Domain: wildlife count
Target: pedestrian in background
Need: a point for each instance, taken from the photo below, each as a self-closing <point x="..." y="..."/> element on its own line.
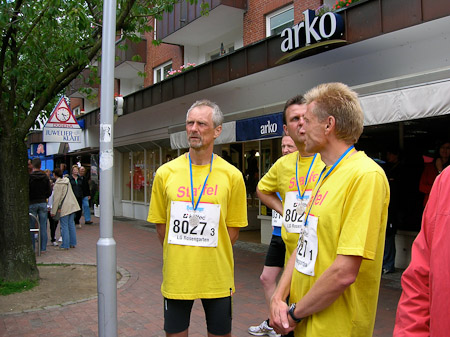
<point x="86" y="196"/>
<point x="77" y="187"/>
<point x="64" y="198"/>
<point x="39" y="189"/>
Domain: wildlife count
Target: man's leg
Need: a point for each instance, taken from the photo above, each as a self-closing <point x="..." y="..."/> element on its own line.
<point x="86" y="211"/>
<point x="218" y="312"/>
<point x="272" y="267"/>
<point x="177" y="315"/>
<point x="42" y="212"/>
<point x="268" y="279"/>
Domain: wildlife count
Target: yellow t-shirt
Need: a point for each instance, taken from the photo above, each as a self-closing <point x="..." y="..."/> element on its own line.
<point x="281" y="178"/>
<point x="351" y="206"/>
<point x="191" y="272"/>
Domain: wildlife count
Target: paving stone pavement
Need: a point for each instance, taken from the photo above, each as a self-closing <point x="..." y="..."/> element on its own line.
<point x="139" y="300"/>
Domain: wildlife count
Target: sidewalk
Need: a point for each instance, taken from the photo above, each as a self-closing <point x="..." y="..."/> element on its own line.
<point x="139" y="300"/>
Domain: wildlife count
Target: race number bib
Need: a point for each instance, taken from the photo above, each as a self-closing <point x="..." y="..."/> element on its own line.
<point x="201" y="233"/>
<point x="277" y="220"/>
<point x="307" y="247"/>
<point x="293" y="221"/>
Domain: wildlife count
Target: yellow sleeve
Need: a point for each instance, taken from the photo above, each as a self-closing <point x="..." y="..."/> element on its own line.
<point x="157" y="212"/>
<point x="237" y="206"/>
<point x="269" y="182"/>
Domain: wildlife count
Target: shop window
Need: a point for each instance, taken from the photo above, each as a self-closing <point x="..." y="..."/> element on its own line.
<point x="139" y="181"/>
<point x="126" y="176"/>
<point x="152" y="165"/>
<point x="160" y="73"/>
<point x="277" y="21"/>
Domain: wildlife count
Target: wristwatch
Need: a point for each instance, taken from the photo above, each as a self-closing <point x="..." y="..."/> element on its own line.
<point x="291" y="313"/>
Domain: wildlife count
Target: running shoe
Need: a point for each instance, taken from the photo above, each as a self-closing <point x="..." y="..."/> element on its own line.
<point x="262" y="330"/>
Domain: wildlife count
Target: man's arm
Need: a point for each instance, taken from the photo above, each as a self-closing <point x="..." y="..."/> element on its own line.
<point x="233" y="232"/>
<point x="161" y="230"/>
<point x="330" y="285"/>
<point x="278" y="306"/>
<point x="270" y="200"/>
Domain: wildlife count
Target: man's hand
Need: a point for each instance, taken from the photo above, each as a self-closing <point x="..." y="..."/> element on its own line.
<point x="280" y="320"/>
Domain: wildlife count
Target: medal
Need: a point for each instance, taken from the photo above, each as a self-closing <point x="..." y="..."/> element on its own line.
<point x="300" y="209"/>
<point x="301" y="240"/>
<point x="193" y="220"/>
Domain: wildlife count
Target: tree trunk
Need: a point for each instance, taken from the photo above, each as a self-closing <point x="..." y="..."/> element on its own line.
<point x="17" y="259"/>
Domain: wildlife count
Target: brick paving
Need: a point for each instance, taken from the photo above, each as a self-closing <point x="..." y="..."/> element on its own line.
<point x="139" y="301"/>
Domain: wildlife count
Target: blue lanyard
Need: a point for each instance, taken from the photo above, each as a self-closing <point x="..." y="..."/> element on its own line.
<point x="204" y="184"/>
<point x="326" y="175"/>
<point x="300" y="195"/>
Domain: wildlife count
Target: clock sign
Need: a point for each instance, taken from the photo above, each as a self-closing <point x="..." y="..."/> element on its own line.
<point x="63" y="114"/>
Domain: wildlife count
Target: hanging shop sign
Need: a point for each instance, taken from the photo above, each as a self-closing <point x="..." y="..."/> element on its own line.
<point x="267" y="126"/>
<point x="313" y="30"/>
<point x="62" y="126"/>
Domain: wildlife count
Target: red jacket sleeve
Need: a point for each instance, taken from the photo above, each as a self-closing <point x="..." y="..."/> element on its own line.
<point x="424" y="304"/>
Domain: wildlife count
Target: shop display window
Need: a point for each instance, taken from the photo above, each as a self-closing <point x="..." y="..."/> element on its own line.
<point x="126" y="176"/>
<point x="139" y="181"/>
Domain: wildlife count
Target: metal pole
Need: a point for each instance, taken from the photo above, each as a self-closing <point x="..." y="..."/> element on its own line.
<point x="106" y="245"/>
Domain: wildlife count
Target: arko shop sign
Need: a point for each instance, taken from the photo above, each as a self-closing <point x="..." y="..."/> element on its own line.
<point x="314" y="29"/>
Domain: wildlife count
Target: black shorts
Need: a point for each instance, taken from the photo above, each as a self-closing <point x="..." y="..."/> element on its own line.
<point x="276" y="254"/>
<point x="218" y="312"/>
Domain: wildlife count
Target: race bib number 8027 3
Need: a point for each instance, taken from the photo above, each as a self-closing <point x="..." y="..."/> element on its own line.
<point x="203" y="232"/>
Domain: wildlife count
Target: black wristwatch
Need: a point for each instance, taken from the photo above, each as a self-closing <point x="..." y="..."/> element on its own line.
<point x="291" y="313"/>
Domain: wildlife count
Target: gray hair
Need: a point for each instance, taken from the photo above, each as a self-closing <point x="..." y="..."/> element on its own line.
<point x="217" y="115"/>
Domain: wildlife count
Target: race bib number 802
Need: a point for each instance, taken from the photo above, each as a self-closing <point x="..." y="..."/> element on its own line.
<point x="203" y="232"/>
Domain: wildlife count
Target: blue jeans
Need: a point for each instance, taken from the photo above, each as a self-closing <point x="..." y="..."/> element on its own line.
<point x="68" y="232"/>
<point x="86" y="209"/>
<point x="40" y="210"/>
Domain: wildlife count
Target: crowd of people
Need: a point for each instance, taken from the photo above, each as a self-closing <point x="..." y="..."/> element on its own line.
<point x="60" y="198"/>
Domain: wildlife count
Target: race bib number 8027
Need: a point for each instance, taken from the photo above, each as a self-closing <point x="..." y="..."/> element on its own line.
<point x="203" y="232"/>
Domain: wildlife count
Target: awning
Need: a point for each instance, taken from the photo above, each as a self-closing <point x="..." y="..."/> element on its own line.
<point x="422" y="101"/>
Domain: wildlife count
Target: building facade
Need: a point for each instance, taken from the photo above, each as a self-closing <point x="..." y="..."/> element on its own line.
<point x="250" y="57"/>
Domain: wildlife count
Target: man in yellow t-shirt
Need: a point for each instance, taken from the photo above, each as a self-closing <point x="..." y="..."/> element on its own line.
<point x="333" y="276"/>
<point x="198" y="204"/>
<point x="293" y="176"/>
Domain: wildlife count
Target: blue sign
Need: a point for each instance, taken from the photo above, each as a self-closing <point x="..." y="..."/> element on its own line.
<point x="38" y="150"/>
<point x="268" y="126"/>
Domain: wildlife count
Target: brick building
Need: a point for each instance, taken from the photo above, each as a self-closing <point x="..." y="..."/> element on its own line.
<point x="249" y="60"/>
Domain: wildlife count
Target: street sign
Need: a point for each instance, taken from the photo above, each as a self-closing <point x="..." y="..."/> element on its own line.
<point x="62" y="126"/>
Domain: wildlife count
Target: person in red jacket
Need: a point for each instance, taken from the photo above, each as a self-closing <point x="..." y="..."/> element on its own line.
<point x="423" y="306"/>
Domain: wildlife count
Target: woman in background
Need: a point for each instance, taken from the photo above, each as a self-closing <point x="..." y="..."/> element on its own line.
<point x="63" y="194"/>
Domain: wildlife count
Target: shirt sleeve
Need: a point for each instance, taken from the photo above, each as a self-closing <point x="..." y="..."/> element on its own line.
<point x="268" y="183"/>
<point x="157" y="212"/>
<point x="237" y="205"/>
<point x="413" y="310"/>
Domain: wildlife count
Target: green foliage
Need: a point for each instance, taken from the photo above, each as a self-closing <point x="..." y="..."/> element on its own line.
<point x="7" y="288"/>
<point x="45" y="44"/>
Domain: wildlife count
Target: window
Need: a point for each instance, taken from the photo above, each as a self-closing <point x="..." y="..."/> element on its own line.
<point x="221" y="51"/>
<point x="160" y="73"/>
<point x="279" y="20"/>
<point x="139" y="178"/>
<point x="126" y="176"/>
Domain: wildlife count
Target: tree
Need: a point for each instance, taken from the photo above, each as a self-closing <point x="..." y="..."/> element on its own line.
<point x="44" y="45"/>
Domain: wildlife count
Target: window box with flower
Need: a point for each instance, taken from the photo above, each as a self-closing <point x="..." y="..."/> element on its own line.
<point x="182" y="69"/>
